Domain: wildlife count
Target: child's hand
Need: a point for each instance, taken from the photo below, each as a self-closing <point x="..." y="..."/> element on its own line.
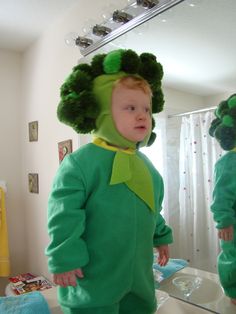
<point x="226" y="234"/>
<point x="163" y="257"/>
<point x="68" y="278"/>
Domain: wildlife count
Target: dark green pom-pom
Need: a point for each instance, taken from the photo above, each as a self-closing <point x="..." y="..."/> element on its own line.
<point x="79" y="81"/>
<point x="65" y="90"/>
<point x="130" y="62"/>
<point x="151" y="139"/>
<point x="222" y="109"/>
<point x="158" y="101"/>
<point x="226" y="137"/>
<point x="85" y="126"/>
<point x="75" y="109"/>
<point x="97" y="65"/>
<point x="214" y="124"/>
<point x="232" y="113"/>
<point x="153" y="123"/>
<point x="151" y="70"/>
<point x="68" y="108"/>
<point x="84" y="67"/>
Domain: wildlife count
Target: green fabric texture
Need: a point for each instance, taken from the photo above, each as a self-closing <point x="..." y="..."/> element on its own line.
<point x="140" y="179"/>
<point x="135" y="174"/>
<point x="224" y="194"/>
<point x="116" y="221"/>
<point x="224" y="214"/>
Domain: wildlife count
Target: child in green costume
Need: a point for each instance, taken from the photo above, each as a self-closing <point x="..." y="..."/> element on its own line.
<point x="104" y="208"/>
<point x="223" y="128"/>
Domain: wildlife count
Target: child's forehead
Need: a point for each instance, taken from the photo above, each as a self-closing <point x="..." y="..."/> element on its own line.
<point x="132" y="90"/>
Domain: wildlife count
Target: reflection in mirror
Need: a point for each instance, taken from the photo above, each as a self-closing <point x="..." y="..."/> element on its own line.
<point x="195" y="43"/>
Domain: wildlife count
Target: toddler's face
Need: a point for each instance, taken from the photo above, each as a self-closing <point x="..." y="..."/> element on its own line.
<point x="131" y="112"/>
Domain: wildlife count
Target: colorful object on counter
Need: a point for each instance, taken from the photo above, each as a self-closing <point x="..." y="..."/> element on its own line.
<point x="172" y="267"/>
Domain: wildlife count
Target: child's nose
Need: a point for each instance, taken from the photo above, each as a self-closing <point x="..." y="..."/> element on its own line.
<point x="141" y="115"/>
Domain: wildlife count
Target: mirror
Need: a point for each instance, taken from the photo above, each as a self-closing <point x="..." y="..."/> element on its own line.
<point x="195" y="43"/>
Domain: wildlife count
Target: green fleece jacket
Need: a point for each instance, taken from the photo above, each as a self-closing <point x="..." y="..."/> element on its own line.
<point x="106" y="230"/>
<point x="224" y="194"/>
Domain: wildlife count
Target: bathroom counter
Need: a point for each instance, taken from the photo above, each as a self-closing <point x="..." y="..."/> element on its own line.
<point x="173" y="305"/>
<point x="51" y="297"/>
<point x="209" y="295"/>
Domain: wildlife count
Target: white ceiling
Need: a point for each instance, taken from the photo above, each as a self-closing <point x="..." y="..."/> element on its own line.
<point x="196" y="45"/>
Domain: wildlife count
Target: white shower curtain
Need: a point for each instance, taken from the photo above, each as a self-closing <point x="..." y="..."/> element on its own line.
<point x="198" y="153"/>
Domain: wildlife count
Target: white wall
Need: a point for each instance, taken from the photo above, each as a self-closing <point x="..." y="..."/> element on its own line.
<point x="10" y="154"/>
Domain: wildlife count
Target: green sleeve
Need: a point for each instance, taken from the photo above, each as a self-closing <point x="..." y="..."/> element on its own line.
<point x="66" y="219"/>
<point x="163" y="233"/>
<point x="224" y="193"/>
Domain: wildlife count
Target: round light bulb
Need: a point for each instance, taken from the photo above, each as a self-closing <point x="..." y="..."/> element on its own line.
<point x="70" y="38"/>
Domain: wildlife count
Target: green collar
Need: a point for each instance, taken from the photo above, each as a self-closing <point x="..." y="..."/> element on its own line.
<point x="130" y="169"/>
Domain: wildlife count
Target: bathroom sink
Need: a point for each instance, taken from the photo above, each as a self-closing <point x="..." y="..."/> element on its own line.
<point x="207" y="291"/>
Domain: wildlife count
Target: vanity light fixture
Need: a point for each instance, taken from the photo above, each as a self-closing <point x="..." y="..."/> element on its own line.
<point x="120" y="22"/>
<point x="147" y="3"/>
<point x="121" y="17"/>
<point x="100" y="30"/>
<point x="83" y="42"/>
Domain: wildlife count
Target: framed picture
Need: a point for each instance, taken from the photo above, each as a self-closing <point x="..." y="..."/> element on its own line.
<point x="33" y="181"/>
<point x="33" y="131"/>
<point x="64" y="148"/>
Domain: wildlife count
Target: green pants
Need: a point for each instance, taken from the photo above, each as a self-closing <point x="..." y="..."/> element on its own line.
<point x="130" y="304"/>
<point x="227" y="266"/>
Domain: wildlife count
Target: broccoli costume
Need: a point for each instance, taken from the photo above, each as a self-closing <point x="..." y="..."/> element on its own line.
<point x="224" y="194"/>
<point x="104" y="207"/>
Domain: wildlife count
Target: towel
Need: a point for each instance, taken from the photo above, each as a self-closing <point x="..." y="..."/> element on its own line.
<point x="171" y="267"/>
<point x="4" y="250"/>
<point x="28" y="303"/>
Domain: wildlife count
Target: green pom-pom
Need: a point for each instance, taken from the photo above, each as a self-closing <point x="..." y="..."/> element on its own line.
<point x="112" y="62"/>
<point x="84" y="67"/>
<point x="97" y="65"/>
<point x="76" y="109"/>
<point x="232" y="102"/>
<point x="150" y="69"/>
<point x="228" y="121"/>
<point x="79" y="81"/>
<point x="130" y="62"/>
<point x="151" y="139"/>
<point x="65" y="90"/>
<point x="222" y="109"/>
<point x="214" y="124"/>
<point x="157" y="101"/>
<point x="226" y="137"/>
<point x="232" y="113"/>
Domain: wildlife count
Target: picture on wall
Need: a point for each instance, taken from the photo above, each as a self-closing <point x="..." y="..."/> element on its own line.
<point x="33" y="181"/>
<point x="33" y="131"/>
<point x="64" y="148"/>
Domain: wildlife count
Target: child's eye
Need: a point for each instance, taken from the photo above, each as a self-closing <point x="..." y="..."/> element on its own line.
<point x="130" y="108"/>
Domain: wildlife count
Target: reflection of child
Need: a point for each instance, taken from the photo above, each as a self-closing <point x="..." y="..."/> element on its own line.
<point x="104" y="209"/>
<point x="223" y="128"/>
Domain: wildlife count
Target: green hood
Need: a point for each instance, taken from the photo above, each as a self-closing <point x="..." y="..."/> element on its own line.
<point x="105" y="126"/>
